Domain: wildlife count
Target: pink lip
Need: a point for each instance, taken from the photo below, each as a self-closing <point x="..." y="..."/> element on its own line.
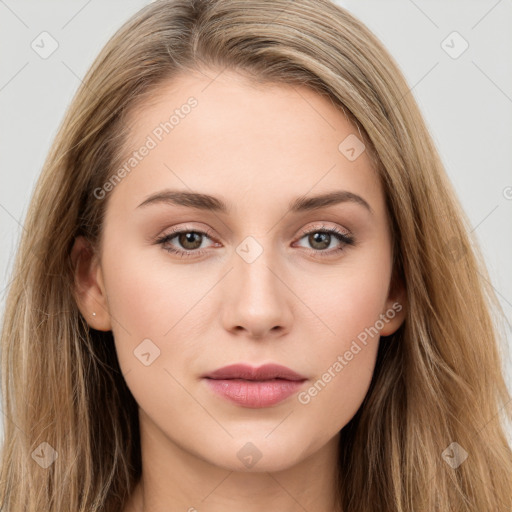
<point x="255" y="387"/>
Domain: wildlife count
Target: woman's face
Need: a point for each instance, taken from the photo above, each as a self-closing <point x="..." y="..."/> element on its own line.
<point x="269" y="283"/>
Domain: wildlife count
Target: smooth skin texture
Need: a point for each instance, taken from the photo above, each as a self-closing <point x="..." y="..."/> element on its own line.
<point x="257" y="148"/>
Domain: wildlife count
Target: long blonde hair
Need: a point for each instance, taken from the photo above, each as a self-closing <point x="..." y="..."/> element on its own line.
<point x="438" y="379"/>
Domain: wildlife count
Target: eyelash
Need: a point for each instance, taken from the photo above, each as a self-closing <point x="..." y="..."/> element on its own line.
<point x="342" y="237"/>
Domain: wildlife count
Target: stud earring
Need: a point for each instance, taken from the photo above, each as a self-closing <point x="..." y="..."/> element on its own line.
<point x="93" y="314"/>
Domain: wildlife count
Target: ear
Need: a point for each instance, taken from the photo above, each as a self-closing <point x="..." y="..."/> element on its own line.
<point x="396" y="306"/>
<point x="89" y="291"/>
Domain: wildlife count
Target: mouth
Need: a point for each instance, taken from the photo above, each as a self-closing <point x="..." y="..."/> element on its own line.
<point x="252" y="387"/>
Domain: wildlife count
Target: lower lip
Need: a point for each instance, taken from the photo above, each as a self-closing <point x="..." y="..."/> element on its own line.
<point x="255" y="393"/>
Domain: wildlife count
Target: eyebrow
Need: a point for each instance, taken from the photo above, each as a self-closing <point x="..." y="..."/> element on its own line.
<point x="207" y="202"/>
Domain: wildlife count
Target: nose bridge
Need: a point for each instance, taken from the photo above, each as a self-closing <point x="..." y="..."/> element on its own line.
<point x="255" y="295"/>
<point x="254" y="259"/>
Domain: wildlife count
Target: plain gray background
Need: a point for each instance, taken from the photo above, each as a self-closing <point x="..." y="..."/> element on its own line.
<point x="465" y="96"/>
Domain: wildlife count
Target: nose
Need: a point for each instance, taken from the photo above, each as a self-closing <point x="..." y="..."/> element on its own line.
<point x="256" y="298"/>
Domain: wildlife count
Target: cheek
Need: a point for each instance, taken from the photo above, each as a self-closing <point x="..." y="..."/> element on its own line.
<point x="345" y="360"/>
<point x="145" y="295"/>
<point x="152" y="335"/>
<point x="349" y="298"/>
<point x="337" y="393"/>
<point x="350" y="303"/>
<point x="160" y="313"/>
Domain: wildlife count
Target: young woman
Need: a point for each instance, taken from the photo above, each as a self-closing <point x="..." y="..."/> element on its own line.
<point x="246" y="283"/>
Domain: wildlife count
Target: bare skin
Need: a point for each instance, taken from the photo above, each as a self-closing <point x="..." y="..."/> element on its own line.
<point x="257" y="149"/>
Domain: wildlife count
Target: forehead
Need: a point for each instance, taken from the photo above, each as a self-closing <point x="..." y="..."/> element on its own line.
<point x="222" y="134"/>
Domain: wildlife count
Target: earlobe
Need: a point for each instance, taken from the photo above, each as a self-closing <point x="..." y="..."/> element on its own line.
<point x="89" y="291"/>
<point x="396" y="308"/>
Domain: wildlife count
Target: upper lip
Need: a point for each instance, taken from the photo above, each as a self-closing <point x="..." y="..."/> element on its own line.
<point x="247" y="372"/>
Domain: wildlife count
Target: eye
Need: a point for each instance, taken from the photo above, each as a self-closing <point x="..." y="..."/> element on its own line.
<point x="320" y="239"/>
<point x="189" y="239"/>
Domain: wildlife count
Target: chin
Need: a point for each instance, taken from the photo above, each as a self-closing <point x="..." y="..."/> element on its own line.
<point x="260" y="455"/>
